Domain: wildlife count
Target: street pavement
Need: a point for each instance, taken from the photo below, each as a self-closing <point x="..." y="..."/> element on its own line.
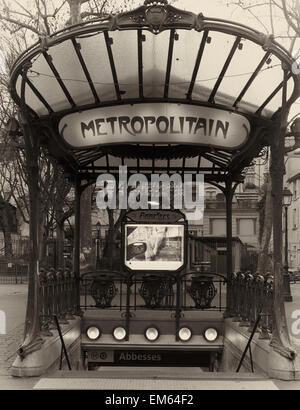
<point x="13" y="300"/>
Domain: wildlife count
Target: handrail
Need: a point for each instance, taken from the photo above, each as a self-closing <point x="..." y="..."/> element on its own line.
<point x="195" y="272"/>
<point x="63" y="350"/>
<point x="57" y="294"/>
<point x="252" y="294"/>
<point x="248" y="345"/>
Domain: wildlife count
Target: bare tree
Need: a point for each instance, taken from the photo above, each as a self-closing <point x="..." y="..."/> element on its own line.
<point x="40" y="194"/>
<point x="26" y="23"/>
<point x="288" y="11"/>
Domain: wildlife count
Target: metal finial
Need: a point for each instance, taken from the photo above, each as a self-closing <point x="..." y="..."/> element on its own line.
<point x="156" y="3"/>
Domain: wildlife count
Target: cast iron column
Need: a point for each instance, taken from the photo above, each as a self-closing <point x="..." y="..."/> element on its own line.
<point x="229" y="195"/>
<point x="98" y="265"/>
<point x="78" y="191"/>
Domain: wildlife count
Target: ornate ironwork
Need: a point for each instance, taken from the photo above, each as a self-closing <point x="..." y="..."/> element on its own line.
<point x="157" y="15"/>
<point x="142" y="152"/>
<point x="154" y="16"/>
<point x="252" y="295"/>
<point x="103" y="291"/>
<point x="154" y="3"/>
<point x="45" y="308"/>
<point x="203" y="291"/>
<point x="57" y="296"/>
<point x="155" y="289"/>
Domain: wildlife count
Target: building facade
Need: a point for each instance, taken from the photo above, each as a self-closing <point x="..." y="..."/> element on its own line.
<point x="292" y="180"/>
<point x="245" y="217"/>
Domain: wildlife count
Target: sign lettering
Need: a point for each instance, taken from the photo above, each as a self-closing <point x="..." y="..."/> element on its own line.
<point x="155" y="216"/>
<point x="137" y="356"/>
<point x="162" y="123"/>
<point x="150" y="357"/>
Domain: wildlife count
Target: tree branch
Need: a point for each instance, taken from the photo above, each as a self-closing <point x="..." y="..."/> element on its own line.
<point x="21" y="24"/>
<point x="288" y="17"/>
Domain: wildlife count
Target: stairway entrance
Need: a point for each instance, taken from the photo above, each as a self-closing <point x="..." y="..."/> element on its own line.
<point x="154" y="378"/>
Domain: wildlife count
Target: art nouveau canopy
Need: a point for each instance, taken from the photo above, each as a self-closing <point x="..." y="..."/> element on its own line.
<point x="158" y="89"/>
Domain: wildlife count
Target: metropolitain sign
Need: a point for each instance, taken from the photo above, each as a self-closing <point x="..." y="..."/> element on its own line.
<point x="155" y="123"/>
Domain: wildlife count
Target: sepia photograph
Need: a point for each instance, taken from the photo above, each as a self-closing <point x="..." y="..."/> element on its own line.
<point x="150" y="198"/>
<point x="154" y="247"/>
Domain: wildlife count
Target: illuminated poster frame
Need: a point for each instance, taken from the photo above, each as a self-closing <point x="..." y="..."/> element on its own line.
<point x="157" y="221"/>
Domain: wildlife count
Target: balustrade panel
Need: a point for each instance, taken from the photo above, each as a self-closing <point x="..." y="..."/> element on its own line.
<point x="252" y="296"/>
<point x="57" y="296"/>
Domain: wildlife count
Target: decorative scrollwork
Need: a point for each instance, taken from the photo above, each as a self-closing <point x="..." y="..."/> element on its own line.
<point x="157" y="15"/>
<point x="202" y="291"/>
<point x="126" y="314"/>
<point x="156" y="3"/>
<point x="103" y="291"/>
<point x="138" y="18"/>
<point x="154" y="289"/>
<point x="173" y="17"/>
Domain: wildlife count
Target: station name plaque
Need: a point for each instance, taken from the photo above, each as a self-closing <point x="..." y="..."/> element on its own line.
<point x="150" y="123"/>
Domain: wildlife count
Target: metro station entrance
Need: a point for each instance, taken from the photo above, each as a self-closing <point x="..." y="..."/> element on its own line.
<point x="130" y="93"/>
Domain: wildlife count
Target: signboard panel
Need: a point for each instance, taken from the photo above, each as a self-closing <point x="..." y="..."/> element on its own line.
<point x="155" y="216"/>
<point x="150" y="123"/>
<point x="151" y="357"/>
<point x="156" y="358"/>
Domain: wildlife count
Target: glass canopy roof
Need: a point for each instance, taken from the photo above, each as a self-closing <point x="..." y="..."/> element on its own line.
<point x="156" y="53"/>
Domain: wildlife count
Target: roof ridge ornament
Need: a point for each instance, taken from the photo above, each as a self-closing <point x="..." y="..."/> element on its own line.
<point x="156" y="3"/>
<point x="157" y="16"/>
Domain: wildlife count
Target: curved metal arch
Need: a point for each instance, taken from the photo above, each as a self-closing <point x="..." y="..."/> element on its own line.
<point x="165" y="18"/>
<point x="139" y="19"/>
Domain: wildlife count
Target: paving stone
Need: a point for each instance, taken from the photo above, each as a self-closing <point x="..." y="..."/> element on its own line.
<point x="9" y="344"/>
<point x="149" y="384"/>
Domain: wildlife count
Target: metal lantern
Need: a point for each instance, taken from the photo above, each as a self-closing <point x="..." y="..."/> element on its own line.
<point x="287" y="197"/>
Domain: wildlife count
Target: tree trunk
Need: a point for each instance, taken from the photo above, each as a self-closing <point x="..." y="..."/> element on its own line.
<point x="113" y="253"/>
<point x="32" y="340"/>
<point x="280" y="337"/>
<point x="8" y="250"/>
<point x="42" y="239"/>
<point x="110" y="238"/>
<point x="86" y="230"/>
<point x="60" y="238"/>
<point x="4" y="226"/>
<point x="75" y="10"/>
<point x="263" y="257"/>
<point x="61" y="217"/>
